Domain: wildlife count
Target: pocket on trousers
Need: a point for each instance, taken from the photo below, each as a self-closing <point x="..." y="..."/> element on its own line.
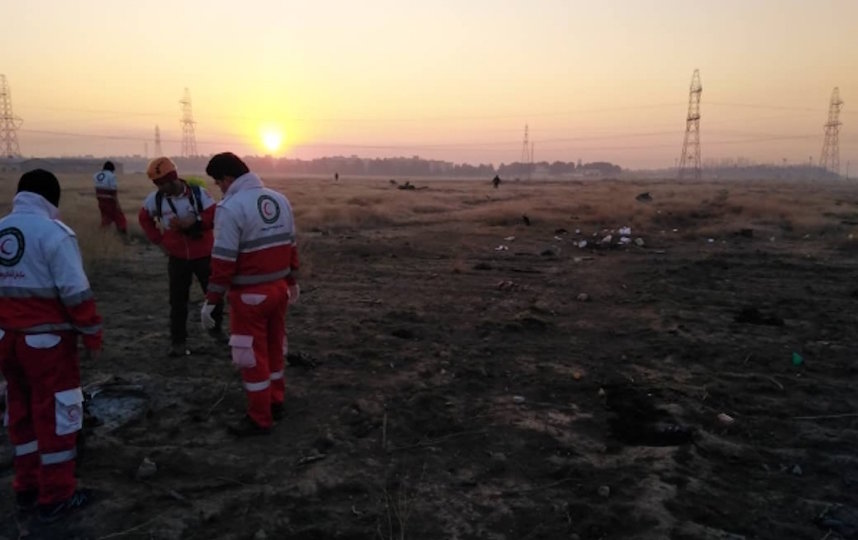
<point x="42" y="341"/>
<point x="253" y="299"/>
<point x="69" y="411"/>
<point x="242" y="351"/>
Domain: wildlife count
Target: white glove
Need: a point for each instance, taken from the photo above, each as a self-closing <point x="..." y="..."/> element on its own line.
<point x="206" y="318"/>
<point x="294" y="293"/>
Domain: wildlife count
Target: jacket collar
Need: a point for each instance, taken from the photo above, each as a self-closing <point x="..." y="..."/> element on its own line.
<point x="27" y="202"/>
<point x="245" y="181"/>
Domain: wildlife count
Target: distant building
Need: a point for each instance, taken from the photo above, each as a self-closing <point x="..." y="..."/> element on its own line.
<point x="56" y="165"/>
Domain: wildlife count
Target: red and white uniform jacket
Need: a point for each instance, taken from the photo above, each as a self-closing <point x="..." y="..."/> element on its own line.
<point x="105" y="185"/>
<point x="178" y="243"/>
<point x="254" y="238"/>
<point x="43" y="287"/>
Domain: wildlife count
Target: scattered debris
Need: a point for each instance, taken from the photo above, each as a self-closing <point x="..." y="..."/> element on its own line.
<point x="582" y="244"/>
<point x="725" y="419"/>
<point x="644" y="197"/>
<point x="583" y="297"/>
<point x="639" y="242"/>
<point x="604" y="491"/>
<point x="797" y="360"/>
<point x="796" y="470"/>
<point x="752" y="315"/>
<point x="607" y="239"/>
<point x="625" y="231"/>
<point x="518" y="399"/>
<point x="407" y="186"/>
<point x="505" y="285"/>
<point x="625" y="240"/>
<point x="502" y="247"/>
<point x="509" y="238"/>
<point x="147" y="469"/>
<point x="301" y="359"/>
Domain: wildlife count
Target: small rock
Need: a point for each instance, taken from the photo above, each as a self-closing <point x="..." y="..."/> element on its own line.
<point x="796" y="470"/>
<point x="260" y="535"/>
<point x="607" y="239"/>
<point x="582" y="244"/>
<point x="583" y="297"/>
<point x="601" y="392"/>
<point x="604" y="491"/>
<point x="725" y="419"/>
<point x="518" y="399"/>
<point x="146" y="469"/>
<point x="639" y="242"/>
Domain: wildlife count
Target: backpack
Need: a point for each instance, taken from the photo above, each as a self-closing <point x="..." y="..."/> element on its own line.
<point x="196" y="200"/>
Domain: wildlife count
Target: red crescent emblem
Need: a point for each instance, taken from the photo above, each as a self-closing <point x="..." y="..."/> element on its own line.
<point x="266" y="207"/>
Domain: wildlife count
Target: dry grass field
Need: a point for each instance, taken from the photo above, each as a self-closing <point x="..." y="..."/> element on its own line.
<point x="457" y="373"/>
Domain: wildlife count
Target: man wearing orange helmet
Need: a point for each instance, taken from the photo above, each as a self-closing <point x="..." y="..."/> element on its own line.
<point x="179" y="218"/>
<point x="255" y="259"/>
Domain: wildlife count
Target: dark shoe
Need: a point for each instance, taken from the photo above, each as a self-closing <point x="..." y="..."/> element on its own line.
<point x="277" y="411"/>
<point x="177" y="350"/>
<point x="26" y="500"/>
<point x="49" y="513"/>
<point x="219" y="336"/>
<point x="247" y="428"/>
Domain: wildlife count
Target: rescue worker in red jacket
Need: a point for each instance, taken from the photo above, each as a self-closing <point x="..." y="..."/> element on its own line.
<point x="45" y="303"/>
<point x="179" y="218"/>
<point x="106" y="191"/>
<point x="255" y="259"/>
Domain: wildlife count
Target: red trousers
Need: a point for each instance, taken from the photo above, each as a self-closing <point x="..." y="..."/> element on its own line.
<point x="258" y="328"/>
<point x="112" y="213"/>
<point x="44" y="410"/>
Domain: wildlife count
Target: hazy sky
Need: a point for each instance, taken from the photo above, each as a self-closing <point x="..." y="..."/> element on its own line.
<point x="448" y="79"/>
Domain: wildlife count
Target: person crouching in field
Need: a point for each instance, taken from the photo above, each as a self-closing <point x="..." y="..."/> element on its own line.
<point x="45" y="303"/>
<point x="106" y="190"/>
<point x="255" y="259"/>
<point x="179" y="218"/>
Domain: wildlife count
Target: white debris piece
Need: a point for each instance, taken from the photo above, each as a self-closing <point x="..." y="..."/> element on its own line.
<point x="502" y="247"/>
<point x="625" y="231"/>
<point x="639" y="242"/>
<point x="582" y="244"/>
<point x="509" y="238"/>
<point x="625" y="240"/>
<point x="558" y="238"/>
<point x="607" y="239"/>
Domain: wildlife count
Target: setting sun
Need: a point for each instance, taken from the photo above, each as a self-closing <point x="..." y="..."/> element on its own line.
<point x="272" y="139"/>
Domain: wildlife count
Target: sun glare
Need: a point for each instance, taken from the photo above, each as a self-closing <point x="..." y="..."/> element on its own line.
<point x="272" y="139"/>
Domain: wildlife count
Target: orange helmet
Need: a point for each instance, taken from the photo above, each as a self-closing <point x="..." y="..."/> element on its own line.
<point x="161" y="169"/>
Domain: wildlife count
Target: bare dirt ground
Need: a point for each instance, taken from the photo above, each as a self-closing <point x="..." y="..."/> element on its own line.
<point x="444" y="387"/>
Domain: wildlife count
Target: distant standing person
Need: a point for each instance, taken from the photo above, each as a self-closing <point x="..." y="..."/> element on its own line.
<point x="254" y="259"/>
<point x="179" y="218"/>
<point x="496" y="181"/>
<point x="107" y="192"/>
<point x="336" y="177"/>
<point x="45" y="304"/>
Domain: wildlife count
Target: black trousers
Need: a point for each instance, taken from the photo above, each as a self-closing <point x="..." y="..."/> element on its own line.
<point x="182" y="272"/>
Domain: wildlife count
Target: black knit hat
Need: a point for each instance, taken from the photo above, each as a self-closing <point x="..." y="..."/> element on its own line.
<point x="43" y="183"/>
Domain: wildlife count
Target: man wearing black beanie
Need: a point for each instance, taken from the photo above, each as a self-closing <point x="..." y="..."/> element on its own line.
<point x="45" y="304"/>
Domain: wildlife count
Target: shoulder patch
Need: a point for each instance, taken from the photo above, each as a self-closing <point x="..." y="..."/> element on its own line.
<point x="12" y="246"/>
